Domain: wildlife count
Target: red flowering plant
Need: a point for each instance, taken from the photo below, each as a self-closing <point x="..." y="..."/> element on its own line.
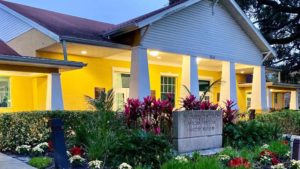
<point x="229" y="113"/>
<point x="266" y="157"/>
<point x="149" y="113"/>
<point x="239" y="162"/>
<point x="192" y="103"/>
<point x="50" y="145"/>
<point x="132" y="112"/>
<point x="76" y="151"/>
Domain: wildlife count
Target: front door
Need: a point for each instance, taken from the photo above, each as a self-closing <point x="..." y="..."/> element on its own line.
<point x="121" y="89"/>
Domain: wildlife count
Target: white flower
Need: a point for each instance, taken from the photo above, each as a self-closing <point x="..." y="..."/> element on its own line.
<point x="125" y="166"/>
<point x="76" y="159"/>
<point x="265" y="146"/>
<point x="43" y="145"/>
<point x="295" y="164"/>
<point x="69" y="154"/>
<point x="288" y="154"/>
<point x="23" y="149"/>
<point x="278" y="166"/>
<point x="224" y="157"/>
<point x="181" y="159"/>
<point x="37" y="149"/>
<point x="96" y="164"/>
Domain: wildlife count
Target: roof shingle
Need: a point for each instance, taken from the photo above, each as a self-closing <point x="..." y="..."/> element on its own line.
<point x="6" y="50"/>
<point x="62" y="24"/>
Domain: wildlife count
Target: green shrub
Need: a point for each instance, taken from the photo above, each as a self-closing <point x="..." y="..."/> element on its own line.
<point x="98" y="134"/>
<point x="250" y="133"/>
<point x="287" y="119"/>
<point x="40" y="162"/>
<point x="279" y="147"/>
<point x="31" y="128"/>
<point x="141" y="148"/>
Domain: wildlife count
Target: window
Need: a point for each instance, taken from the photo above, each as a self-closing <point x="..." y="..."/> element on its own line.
<point x="203" y="85"/>
<point x="168" y="86"/>
<point x="125" y="80"/>
<point x="276" y="98"/>
<point x="248" y="100"/>
<point x="4" y="92"/>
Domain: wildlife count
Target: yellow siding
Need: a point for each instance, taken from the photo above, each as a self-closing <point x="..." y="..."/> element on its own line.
<point x="21" y="94"/>
<point x="242" y="93"/>
<point x="280" y="101"/>
<point x="29" y="93"/>
<point x="98" y="73"/>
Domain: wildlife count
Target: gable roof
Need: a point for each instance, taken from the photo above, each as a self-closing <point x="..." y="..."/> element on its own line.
<point x="6" y="50"/>
<point x="231" y="5"/>
<point x="61" y="24"/>
<point x="87" y="31"/>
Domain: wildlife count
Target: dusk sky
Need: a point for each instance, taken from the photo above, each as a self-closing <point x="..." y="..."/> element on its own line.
<point x="111" y="11"/>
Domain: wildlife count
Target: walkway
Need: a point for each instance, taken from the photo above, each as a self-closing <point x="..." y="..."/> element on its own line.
<point x="7" y="162"/>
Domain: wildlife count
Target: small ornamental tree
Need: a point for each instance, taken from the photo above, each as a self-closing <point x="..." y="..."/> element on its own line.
<point x="149" y="114"/>
<point x="192" y="103"/>
<point x="229" y="113"/>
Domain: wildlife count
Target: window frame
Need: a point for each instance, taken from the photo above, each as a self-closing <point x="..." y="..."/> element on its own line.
<point x="174" y="85"/>
<point x="9" y="92"/>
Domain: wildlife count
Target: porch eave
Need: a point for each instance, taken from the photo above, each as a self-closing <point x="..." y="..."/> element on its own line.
<point x="273" y="84"/>
<point x="40" y="62"/>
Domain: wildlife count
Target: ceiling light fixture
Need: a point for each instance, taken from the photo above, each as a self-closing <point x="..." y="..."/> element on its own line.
<point x="198" y="60"/>
<point x="154" y="53"/>
<point x="242" y="72"/>
<point x="83" y="52"/>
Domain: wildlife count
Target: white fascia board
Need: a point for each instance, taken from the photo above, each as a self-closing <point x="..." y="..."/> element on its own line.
<point x="35" y="25"/>
<point x="165" y="13"/>
<point x="259" y="35"/>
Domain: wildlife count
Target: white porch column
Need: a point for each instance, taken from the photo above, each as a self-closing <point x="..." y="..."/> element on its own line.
<point x="228" y="84"/>
<point x="294" y="103"/>
<point x="269" y="99"/>
<point x="139" y="74"/>
<point x="259" y="94"/>
<point x="189" y="76"/>
<point x="54" y="92"/>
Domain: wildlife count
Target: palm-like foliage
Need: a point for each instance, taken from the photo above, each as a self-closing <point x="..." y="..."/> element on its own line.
<point x="104" y="102"/>
<point x="208" y="89"/>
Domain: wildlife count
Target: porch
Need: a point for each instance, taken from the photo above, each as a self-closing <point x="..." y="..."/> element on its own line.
<point x="31" y="83"/>
<point x="140" y="72"/>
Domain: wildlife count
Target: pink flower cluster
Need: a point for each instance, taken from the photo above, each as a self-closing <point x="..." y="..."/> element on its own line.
<point x="230" y="114"/>
<point x="192" y="103"/>
<point x="149" y="113"/>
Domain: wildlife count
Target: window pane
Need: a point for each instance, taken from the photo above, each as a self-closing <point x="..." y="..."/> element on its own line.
<point x="125" y="80"/>
<point x="203" y="85"/>
<point x="4" y="92"/>
<point x="167" y="86"/>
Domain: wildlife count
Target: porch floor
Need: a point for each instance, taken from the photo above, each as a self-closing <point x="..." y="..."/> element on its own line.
<point x="7" y="162"/>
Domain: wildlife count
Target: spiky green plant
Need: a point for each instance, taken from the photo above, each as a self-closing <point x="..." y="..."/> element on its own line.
<point x="104" y="103"/>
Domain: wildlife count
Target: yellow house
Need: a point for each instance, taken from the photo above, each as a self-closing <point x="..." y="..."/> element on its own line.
<point x="50" y="61"/>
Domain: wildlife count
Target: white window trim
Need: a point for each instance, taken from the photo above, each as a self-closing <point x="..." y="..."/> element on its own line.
<point x="176" y="82"/>
<point x="169" y="74"/>
<point x="9" y="83"/>
<point x="118" y="70"/>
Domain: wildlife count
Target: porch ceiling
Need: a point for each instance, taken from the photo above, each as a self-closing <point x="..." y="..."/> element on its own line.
<point x="162" y="58"/>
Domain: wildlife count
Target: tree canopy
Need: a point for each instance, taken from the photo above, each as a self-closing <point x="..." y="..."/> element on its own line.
<point x="279" y="22"/>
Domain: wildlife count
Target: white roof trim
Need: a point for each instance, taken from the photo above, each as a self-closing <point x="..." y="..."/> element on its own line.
<point x="166" y="13"/>
<point x="258" y="33"/>
<point x="35" y="25"/>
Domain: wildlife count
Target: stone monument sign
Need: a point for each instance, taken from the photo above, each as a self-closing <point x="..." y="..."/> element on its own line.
<point x="197" y="130"/>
